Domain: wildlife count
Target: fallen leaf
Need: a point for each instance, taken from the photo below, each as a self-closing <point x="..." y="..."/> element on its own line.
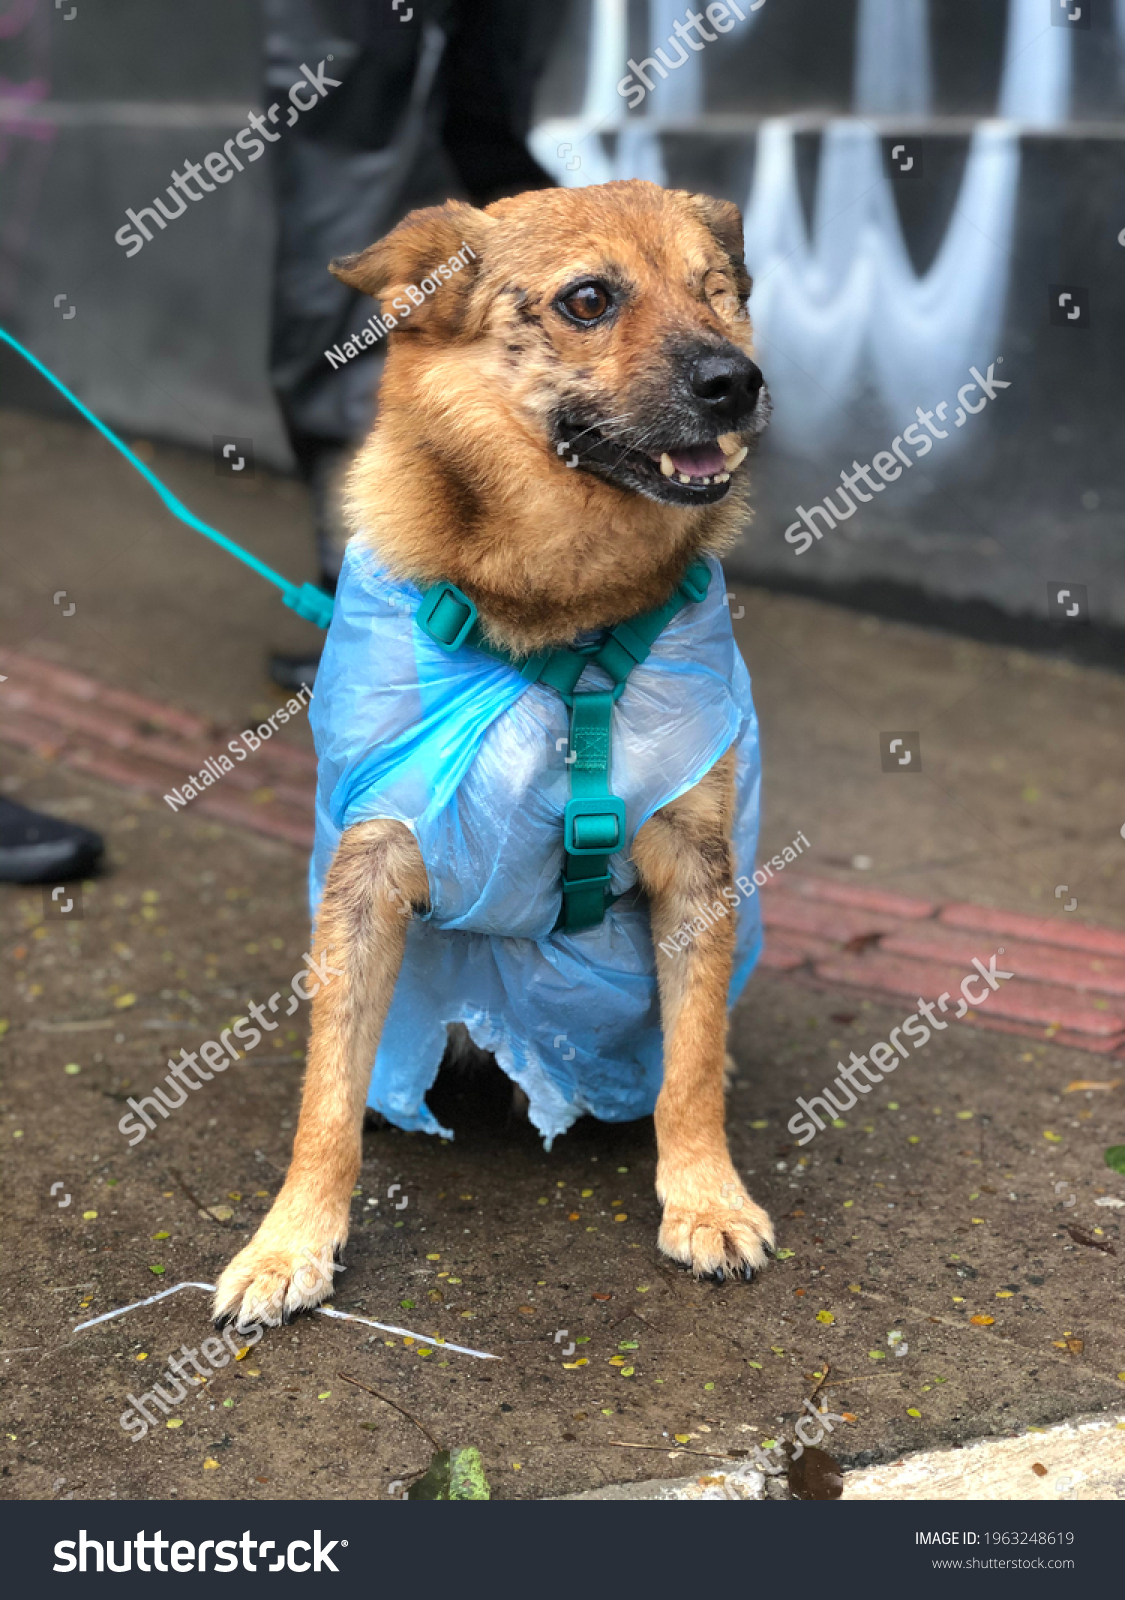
<point x="1090" y="1084"/>
<point x="452" y="1475"/>
<point x="982" y="1322"/>
<point x="1080" y="1236"/>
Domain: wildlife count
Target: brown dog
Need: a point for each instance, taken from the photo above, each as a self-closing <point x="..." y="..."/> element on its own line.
<point x="609" y="321"/>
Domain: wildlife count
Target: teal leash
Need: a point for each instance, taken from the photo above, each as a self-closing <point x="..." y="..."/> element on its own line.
<point x="305" y="599"/>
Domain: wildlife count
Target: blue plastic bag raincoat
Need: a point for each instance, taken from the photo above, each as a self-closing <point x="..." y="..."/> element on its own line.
<point x="472" y="759"/>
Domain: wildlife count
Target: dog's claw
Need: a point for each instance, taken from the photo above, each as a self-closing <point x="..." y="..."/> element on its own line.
<point x="748" y="1274"/>
<point x="718" y="1243"/>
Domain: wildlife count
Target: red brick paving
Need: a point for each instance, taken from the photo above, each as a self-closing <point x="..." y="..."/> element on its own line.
<point x="1068" y="979"/>
<point x="1068" y="982"/>
<point x="140" y="744"/>
<point x="1069" y="934"/>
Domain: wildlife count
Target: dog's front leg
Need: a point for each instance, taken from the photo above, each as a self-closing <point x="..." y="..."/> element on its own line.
<point x="683" y="856"/>
<point x="376" y="879"/>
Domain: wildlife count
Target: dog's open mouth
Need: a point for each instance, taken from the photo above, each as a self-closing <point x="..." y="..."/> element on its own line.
<point x="686" y="474"/>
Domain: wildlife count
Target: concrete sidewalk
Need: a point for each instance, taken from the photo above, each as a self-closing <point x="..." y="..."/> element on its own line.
<point x="927" y="1280"/>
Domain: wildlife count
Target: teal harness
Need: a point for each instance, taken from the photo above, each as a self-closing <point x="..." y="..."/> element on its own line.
<point x="594" y="820"/>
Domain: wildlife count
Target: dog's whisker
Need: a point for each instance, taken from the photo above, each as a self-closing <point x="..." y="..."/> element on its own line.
<point x="602" y="426"/>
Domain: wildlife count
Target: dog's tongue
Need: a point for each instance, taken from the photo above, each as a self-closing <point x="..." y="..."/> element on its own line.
<point x="702" y="462"/>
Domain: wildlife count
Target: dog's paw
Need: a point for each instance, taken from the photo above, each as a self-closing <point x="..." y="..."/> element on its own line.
<point x="715" y="1232"/>
<point x="277" y="1274"/>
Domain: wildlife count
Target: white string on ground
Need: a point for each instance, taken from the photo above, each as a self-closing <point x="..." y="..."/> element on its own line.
<point x="438" y="1344"/>
<point x="108" y="1316"/>
<point x="324" y="1311"/>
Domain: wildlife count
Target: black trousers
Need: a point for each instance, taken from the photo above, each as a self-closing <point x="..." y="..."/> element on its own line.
<point x="431" y="105"/>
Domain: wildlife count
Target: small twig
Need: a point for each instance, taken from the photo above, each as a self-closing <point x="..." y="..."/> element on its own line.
<point x="640" y="1316"/>
<point x="198" y="1204"/>
<point x="673" y="1284"/>
<point x="394" y="1405"/>
<point x="821" y="1381"/>
<point x="678" y="1449"/>
<point x="838" y="1383"/>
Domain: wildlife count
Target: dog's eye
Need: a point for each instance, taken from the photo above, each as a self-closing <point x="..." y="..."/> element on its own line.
<point x="587" y="303"/>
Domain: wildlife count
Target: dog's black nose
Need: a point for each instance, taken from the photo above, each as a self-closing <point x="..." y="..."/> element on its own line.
<point x="727" y="384"/>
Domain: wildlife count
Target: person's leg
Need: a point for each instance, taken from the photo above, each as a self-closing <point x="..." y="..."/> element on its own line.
<point x="345" y="173"/>
<point x="496" y="55"/>
<point x="424" y="111"/>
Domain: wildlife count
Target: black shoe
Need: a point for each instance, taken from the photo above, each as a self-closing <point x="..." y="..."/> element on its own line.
<point x="294" y="672"/>
<point x="35" y="848"/>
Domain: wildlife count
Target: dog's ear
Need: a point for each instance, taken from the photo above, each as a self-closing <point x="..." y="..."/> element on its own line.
<point x="725" y="221"/>
<point x="423" y="272"/>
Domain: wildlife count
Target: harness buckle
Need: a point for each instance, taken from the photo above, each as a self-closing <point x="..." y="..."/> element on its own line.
<point x="571" y="885"/>
<point x="446" y="615"/>
<point x="594" y="827"/>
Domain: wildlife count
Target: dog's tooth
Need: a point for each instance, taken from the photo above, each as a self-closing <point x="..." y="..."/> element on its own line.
<point x="685" y="477"/>
<point x="666" y="465"/>
<point x="721" y="477"/>
<point x="703" y="480"/>
<point x="728" y="443"/>
<point x="736" y="459"/>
